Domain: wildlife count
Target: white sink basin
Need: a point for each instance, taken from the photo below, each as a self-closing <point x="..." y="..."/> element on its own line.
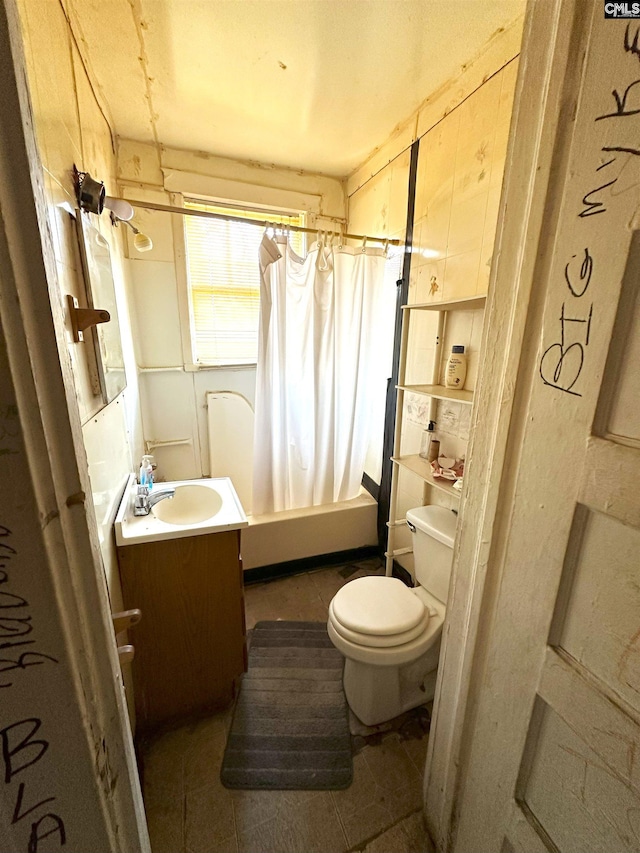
<point x="189" y="505"/>
<point x="198" y="507"/>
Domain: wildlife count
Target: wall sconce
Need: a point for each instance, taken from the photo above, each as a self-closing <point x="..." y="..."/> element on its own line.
<point x="92" y="198"/>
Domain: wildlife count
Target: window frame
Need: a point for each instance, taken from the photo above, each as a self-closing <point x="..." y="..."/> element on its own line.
<point x="185" y="304"/>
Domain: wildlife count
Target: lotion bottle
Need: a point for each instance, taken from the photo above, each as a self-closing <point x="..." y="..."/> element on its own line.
<point x="456" y="370"/>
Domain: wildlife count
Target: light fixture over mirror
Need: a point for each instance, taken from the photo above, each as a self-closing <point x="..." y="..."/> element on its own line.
<point x="119" y="207"/>
<point x="140" y="242"/>
<point x="92" y="198"/>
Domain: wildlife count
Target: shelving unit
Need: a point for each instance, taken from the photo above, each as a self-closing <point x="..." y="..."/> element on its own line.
<point x="435" y="391"/>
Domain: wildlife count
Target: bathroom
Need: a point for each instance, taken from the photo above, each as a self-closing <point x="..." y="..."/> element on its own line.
<point x="164" y="407"/>
<point x="87" y="115"/>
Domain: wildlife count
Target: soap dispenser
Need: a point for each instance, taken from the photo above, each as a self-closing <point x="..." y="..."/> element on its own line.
<point x="146" y="472"/>
<point x="429" y="445"/>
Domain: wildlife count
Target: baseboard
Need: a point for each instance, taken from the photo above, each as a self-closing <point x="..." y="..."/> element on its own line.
<point x="306" y="564"/>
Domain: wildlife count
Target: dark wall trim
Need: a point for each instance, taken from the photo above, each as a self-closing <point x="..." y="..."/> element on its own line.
<point x="384" y="497"/>
<point x="295" y="567"/>
<point x="371" y="486"/>
<point x="402" y="574"/>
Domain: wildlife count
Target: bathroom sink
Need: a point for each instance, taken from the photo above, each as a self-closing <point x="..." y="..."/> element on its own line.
<point x="198" y="507"/>
<point x="189" y="505"/>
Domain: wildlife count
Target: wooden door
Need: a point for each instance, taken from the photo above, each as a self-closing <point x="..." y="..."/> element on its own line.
<point x="554" y="756"/>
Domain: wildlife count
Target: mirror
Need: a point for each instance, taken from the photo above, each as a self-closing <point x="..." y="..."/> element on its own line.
<point x="96" y="265"/>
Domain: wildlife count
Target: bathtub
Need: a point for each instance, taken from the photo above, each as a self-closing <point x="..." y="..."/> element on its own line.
<point x="296" y="534"/>
<point x="280" y="537"/>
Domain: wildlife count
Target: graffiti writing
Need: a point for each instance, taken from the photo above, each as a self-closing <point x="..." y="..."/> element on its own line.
<point x="563" y="360"/>
<point x="22" y="742"/>
<point x="631" y="46"/>
<point x="9" y="429"/>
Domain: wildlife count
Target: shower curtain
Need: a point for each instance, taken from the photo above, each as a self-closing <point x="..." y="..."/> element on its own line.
<point x="319" y="319"/>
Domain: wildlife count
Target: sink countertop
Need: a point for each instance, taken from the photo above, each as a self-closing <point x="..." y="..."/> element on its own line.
<point x="133" y="530"/>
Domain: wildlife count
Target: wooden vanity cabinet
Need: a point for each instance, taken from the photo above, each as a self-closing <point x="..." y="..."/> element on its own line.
<point x="190" y="646"/>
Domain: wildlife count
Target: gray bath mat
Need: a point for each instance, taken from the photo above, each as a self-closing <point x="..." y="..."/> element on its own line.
<point x="290" y="728"/>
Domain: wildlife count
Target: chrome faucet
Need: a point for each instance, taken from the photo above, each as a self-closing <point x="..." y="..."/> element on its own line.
<point x="144" y="501"/>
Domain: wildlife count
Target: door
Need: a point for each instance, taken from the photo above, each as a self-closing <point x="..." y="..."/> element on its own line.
<point x="67" y="764"/>
<point x="553" y="761"/>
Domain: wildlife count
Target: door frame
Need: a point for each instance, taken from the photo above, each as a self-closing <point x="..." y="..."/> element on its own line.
<point x="547" y="72"/>
<point x="79" y="776"/>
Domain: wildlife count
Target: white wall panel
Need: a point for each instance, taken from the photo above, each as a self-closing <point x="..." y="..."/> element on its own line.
<point x="155" y="297"/>
<point x="168" y="415"/>
<point x="240" y="380"/>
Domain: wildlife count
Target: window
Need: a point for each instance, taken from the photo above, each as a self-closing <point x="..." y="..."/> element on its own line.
<point x="224" y="281"/>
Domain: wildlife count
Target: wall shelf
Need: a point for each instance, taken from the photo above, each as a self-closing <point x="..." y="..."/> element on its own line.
<point x="417" y="465"/>
<point x="440" y="392"/>
<point x="469" y="304"/>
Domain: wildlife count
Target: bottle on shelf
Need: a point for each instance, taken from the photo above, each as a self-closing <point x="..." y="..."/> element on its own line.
<point x="456" y="370"/>
<point x="429" y="444"/>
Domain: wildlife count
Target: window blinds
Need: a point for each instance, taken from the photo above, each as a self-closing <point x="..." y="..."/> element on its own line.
<point x="224" y="281"/>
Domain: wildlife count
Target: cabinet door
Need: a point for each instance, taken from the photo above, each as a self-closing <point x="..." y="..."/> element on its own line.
<point x="189" y="644"/>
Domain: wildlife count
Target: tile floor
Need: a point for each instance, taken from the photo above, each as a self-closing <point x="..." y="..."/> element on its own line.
<point x="189" y="811"/>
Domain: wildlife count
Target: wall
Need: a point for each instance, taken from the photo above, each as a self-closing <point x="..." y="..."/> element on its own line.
<point x="463" y="132"/>
<point x="460" y="168"/>
<point x="72" y="127"/>
<point x="379" y="208"/>
<point x="173" y="392"/>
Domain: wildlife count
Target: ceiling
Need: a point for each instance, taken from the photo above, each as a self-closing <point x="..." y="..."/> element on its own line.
<point x="310" y="84"/>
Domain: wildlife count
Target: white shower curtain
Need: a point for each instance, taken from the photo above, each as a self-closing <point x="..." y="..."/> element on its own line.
<point x="319" y="320"/>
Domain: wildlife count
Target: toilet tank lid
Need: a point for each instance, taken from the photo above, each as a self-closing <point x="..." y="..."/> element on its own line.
<point x="435" y="521"/>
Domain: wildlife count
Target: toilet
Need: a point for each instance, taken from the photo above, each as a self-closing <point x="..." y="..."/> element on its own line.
<point x="389" y="633"/>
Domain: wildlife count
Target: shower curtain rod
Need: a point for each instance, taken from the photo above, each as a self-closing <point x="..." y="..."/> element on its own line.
<point x="187" y="211"/>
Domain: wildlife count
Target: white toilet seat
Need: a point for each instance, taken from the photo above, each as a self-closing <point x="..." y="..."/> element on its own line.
<point x="379" y="640"/>
<point x="390" y="649"/>
<point x="380" y="606"/>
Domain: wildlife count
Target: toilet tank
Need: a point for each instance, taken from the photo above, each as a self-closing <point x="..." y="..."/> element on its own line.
<point x="433" y="530"/>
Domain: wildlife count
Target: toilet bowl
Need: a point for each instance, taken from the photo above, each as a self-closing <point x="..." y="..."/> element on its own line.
<point x="389" y="633"/>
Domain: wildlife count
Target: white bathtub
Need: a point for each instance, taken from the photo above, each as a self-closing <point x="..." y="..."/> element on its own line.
<point x="279" y="537"/>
